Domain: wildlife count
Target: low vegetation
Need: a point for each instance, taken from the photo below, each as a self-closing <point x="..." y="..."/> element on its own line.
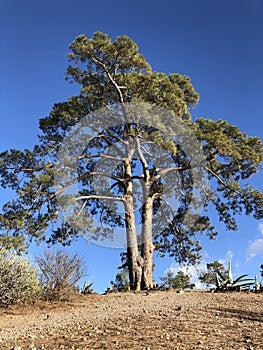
<point x="19" y="280"/>
<point x="177" y="281"/>
<point x="55" y="275"/>
<point x="59" y="273"/>
<point x="208" y="277"/>
<point x="222" y="279"/>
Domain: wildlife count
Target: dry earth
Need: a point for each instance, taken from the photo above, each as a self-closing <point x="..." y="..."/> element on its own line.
<point x="159" y="320"/>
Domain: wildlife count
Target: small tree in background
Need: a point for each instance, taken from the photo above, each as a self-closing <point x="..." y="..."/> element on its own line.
<point x="122" y="280"/>
<point x="178" y="281"/>
<point x="208" y="277"/>
<point x="19" y="280"/>
<point x="59" y="273"/>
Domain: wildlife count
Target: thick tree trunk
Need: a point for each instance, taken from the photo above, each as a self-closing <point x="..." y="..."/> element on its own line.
<point x="133" y="260"/>
<point x="132" y="247"/>
<point x="147" y="247"/>
<point x="147" y="255"/>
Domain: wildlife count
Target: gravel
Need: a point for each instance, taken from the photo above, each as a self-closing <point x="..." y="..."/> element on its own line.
<point x="158" y="320"/>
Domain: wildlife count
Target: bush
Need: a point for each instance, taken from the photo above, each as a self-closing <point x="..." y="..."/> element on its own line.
<point x="209" y="276"/>
<point x="178" y="281"/>
<point x="59" y="273"/>
<point x="19" y="281"/>
<point x="122" y="281"/>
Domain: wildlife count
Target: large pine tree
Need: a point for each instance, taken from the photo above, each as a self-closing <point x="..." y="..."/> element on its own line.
<point x="127" y="141"/>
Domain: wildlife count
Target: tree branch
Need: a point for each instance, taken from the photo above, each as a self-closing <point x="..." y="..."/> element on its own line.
<point x="143" y="161"/>
<point x="82" y="208"/>
<point x="99" y="155"/>
<point x="164" y="172"/>
<point x="172" y="211"/>
<point x="117" y="87"/>
<point x="222" y="181"/>
<point x="121" y="199"/>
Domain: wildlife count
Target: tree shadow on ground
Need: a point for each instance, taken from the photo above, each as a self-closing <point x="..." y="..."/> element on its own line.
<point x="241" y="314"/>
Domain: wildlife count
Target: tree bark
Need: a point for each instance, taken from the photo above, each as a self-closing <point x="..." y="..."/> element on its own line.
<point x="147" y="247"/>
<point x="132" y="246"/>
<point x="134" y="266"/>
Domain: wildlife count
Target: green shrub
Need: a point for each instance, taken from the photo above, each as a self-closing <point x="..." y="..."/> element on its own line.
<point x="178" y="281"/>
<point x="209" y="276"/>
<point x="122" y="281"/>
<point x="19" y="282"/>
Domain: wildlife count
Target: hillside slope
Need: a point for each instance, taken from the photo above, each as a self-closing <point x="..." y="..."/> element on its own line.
<point x="158" y="320"/>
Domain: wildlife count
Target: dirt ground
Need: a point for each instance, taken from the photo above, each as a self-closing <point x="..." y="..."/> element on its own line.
<point x="145" y="321"/>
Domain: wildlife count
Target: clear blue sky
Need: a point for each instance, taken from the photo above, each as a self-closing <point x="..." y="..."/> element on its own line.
<point x="217" y="43"/>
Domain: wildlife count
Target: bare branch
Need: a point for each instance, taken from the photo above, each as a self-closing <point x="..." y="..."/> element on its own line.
<point x="100" y="155"/>
<point x="117" y="87"/>
<point x="82" y="208"/>
<point x="168" y="205"/>
<point x="143" y="161"/>
<point x="172" y="211"/>
<point x="121" y="199"/>
<point x="222" y="181"/>
<point x="145" y="150"/>
<point x="86" y="176"/>
<point x="117" y="138"/>
<point x="171" y="169"/>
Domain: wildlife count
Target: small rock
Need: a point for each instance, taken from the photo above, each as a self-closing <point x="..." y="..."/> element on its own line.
<point x="31" y="336"/>
<point x="32" y="347"/>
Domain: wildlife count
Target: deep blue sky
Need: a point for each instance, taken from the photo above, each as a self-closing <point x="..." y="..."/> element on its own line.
<point x="217" y="43"/>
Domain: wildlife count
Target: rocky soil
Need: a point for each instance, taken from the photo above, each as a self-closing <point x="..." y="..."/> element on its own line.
<point x="144" y="321"/>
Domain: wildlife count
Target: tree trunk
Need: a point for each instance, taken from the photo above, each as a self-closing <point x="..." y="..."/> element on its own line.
<point x="133" y="261"/>
<point x="147" y="255"/>
<point x="147" y="247"/>
<point x="132" y="246"/>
